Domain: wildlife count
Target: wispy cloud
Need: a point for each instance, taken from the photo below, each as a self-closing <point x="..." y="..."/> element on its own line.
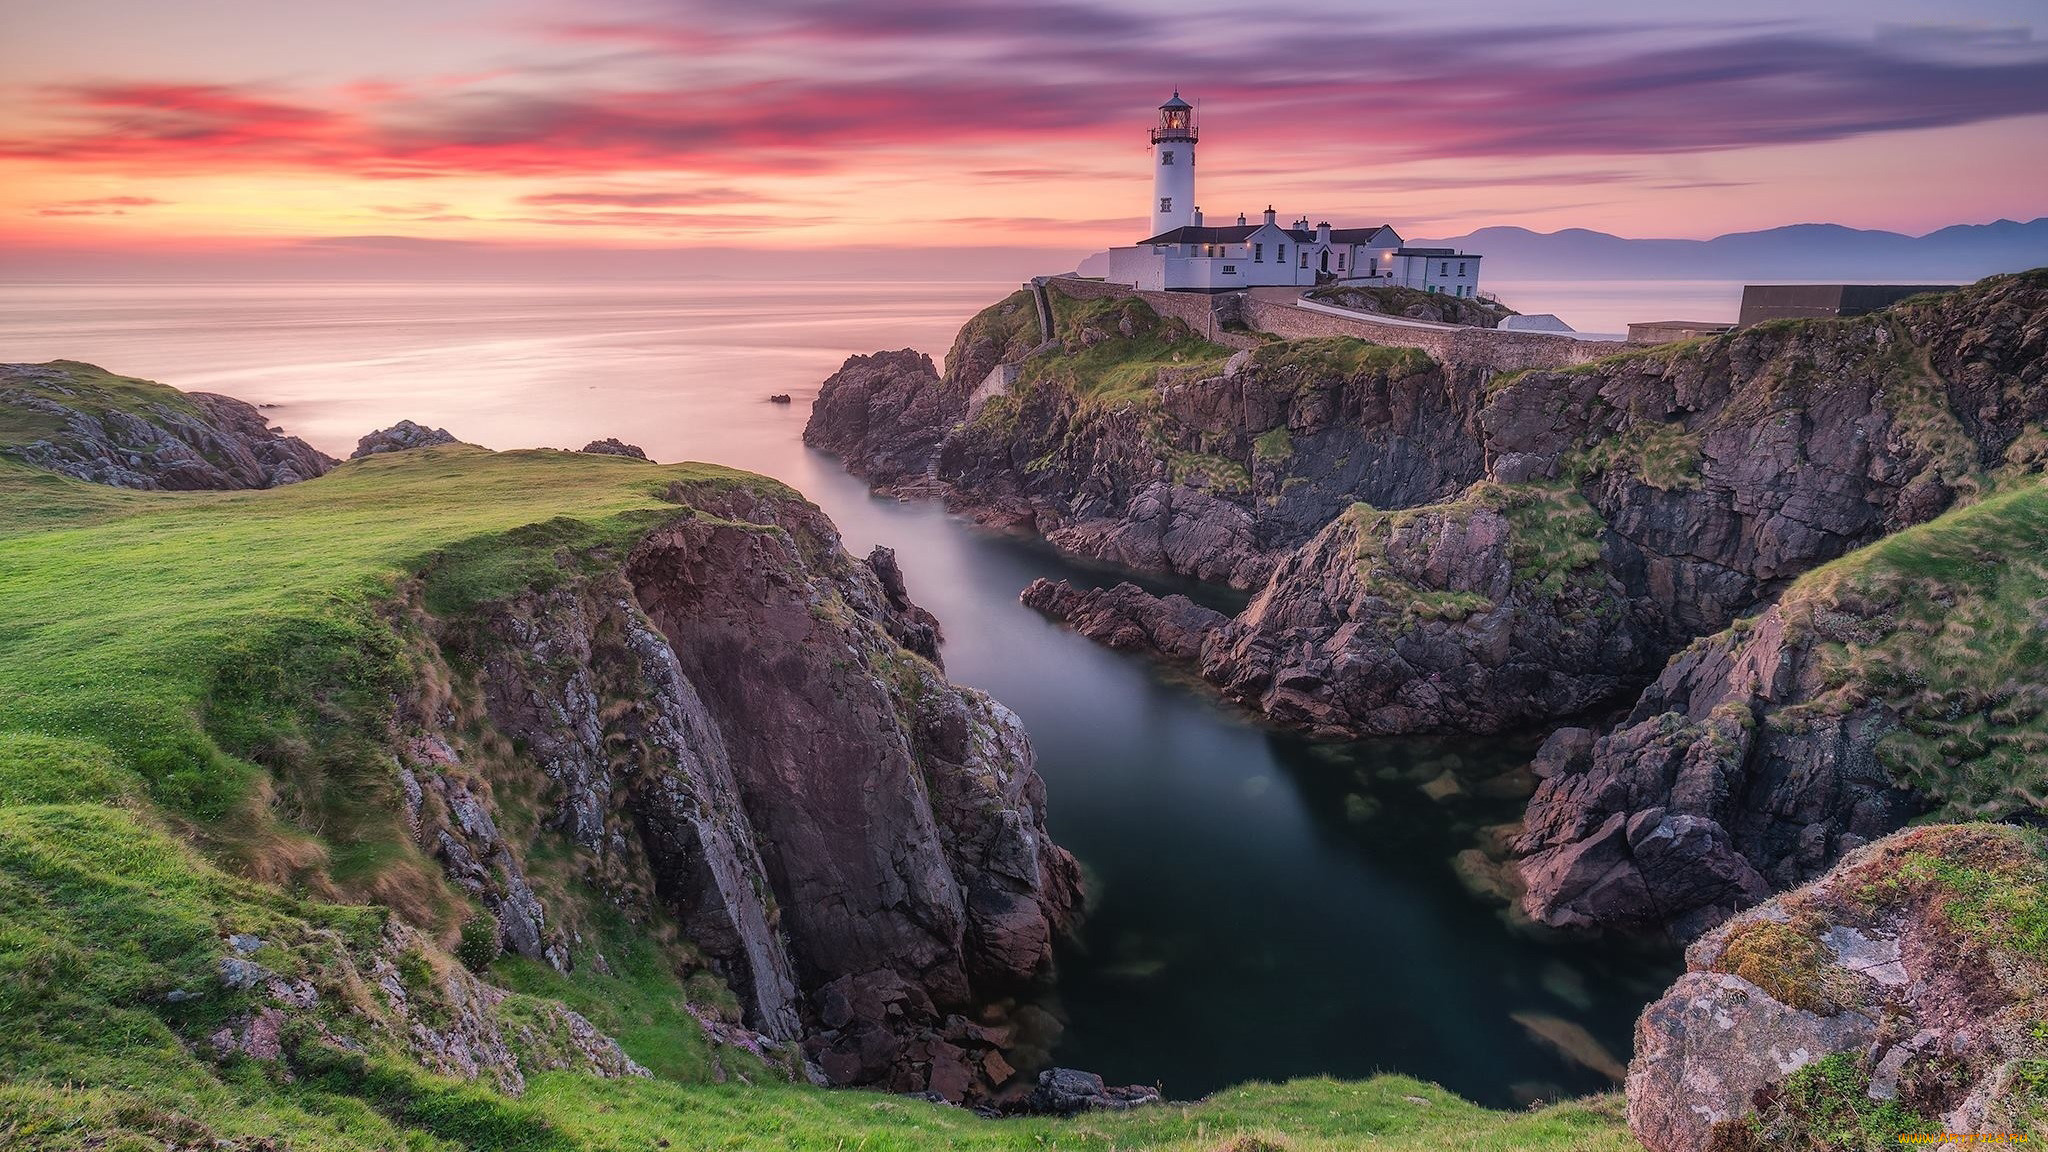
<point x="1085" y="72"/>
<point x="98" y="206"/>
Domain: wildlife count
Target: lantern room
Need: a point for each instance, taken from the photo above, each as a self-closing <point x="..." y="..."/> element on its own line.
<point x="1176" y="121"/>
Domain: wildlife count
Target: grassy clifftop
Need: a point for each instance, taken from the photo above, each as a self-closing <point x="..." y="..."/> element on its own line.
<point x="196" y="826"/>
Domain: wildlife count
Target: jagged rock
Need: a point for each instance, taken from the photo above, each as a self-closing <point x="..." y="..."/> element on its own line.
<point x="1184" y="488"/>
<point x="737" y="725"/>
<point x="912" y="863"/>
<point x="1870" y="967"/>
<point x="1429" y="620"/>
<point x="612" y="446"/>
<point x="1708" y="481"/>
<point x="912" y="626"/>
<point x="193" y="440"/>
<point x="885" y="414"/>
<point x="1703" y="800"/>
<point x="1128" y="618"/>
<point x="401" y="437"/>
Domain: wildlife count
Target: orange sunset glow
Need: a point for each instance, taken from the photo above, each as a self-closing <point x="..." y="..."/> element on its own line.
<point x="240" y="127"/>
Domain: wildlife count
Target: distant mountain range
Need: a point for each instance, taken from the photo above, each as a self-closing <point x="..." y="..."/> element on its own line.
<point x="1956" y="254"/>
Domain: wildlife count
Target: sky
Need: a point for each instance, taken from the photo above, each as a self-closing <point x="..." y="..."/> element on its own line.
<point x="902" y="133"/>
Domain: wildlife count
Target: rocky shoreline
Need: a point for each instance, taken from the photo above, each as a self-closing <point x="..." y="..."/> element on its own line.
<point x="1446" y="548"/>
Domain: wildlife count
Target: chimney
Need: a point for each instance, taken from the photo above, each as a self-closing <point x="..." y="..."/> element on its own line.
<point x="1240" y="219"/>
<point x="1198" y="215"/>
<point x="1301" y="225"/>
<point x="1271" y="215"/>
<point x="1323" y="232"/>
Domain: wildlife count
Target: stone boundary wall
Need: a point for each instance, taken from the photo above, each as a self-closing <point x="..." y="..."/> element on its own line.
<point x="1481" y="347"/>
<point x="1203" y="312"/>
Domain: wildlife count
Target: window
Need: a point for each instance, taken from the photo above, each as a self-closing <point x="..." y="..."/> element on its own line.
<point x="1166" y="157"/>
<point x="1446" y="271"/>
<point x="1461" y="267"/>
<point x="1280" y="253"/>
<point x="1304" y="257"/>
<point x="1230" y="269"/>
<point x="1258" y="253"/>
<point x="1166" y="203"/>
<point x="1372" y="266"/>
<point x="1340" y="261"/>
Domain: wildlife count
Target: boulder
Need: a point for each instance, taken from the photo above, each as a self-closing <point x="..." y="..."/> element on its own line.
<point x="401" y="437"/>
<point x="1897" y="994"/>
<point x="1070" y="1091"/>
<point x="612" y="446"/>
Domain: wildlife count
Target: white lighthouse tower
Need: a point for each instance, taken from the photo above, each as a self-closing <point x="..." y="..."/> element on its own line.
<point x="1173" y="166"/>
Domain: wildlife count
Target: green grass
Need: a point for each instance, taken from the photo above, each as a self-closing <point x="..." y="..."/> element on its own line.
<point x="1662" y="455"/>
<point x="1010" y="324"/>
<point x="1120" y="370"/>
<point x="639" y="1002"/>
<point x="195" y="691"/>
<point x="1555" y="539"/>
<point x="1325" y="359"/>
<point x="1276" y="445"/>
<point x="85" y="387"/>
<point x="1941" y="623"/>
<point x="125" y="626"/>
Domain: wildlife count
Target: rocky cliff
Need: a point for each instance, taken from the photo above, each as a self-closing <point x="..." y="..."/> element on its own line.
<point x="1906" y="676"/>
<point x="82" y="421"/>
<point x="732" y="736"/>
<point x="1439" y="547"/>
<point x="591" y="704"/>
<point x="1901" y="994"/>
<point x="1129" y="438"/>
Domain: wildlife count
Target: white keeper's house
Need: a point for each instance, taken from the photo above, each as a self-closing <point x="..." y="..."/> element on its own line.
<point x="1187" y="254"/>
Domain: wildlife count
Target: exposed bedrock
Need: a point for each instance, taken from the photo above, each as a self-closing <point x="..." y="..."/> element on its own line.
<point x="1444" y="548"/>
<point x="1225" y="460"/>
<point x="735" y="730"/>
<point x="1710" y="795"/>
<point x="162" y="439"/>
<point x="1889" y="997"/>
<point x="900" y="820"/>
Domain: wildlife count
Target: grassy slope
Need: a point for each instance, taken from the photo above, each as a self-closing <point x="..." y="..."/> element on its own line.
<point x="1947" y="623"/>
<point x="146" y="639"/>
<point x="84" y="387"/>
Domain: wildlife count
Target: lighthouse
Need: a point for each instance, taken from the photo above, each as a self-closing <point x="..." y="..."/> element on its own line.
<point x="1173" y="166"/>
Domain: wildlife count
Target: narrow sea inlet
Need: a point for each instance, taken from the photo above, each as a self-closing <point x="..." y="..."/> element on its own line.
<point x="1262" y="906"/>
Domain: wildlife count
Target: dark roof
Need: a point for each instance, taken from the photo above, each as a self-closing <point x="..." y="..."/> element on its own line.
<point x="1189" y="234"/>
<point x="1436" y="253"/>
<point x="1233" y="233"/>
<point x="1176" y="102"/>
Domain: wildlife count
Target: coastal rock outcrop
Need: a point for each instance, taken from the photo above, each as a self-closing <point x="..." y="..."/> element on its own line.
<point x="1129" y="438"/>
<point x="747" y="730"/>
<point x="918" y="859"/>
<point x="89" y="424"/>
<point x="1900" y="993"/>
<point x="1451" y="548"/>
<point x="613" y="446"/>
<point x="1904" y="678"/>
<point x="1128" y="618"/>
<point x="400" y="437"/>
